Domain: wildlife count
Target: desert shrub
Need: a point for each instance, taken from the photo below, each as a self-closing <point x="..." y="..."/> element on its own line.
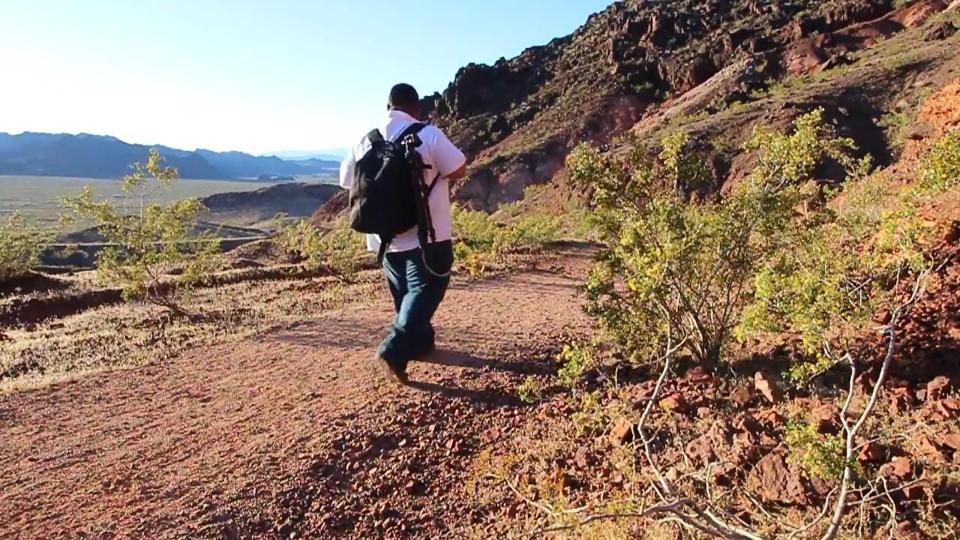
<point x="340" y="249"/>
<point x="148" y="240"/>
<point x="481" y="241"/>
<point x="531" y="230"/>
<point x="941" y="167"/>
<point x="575" y="360"/>
<point x="685" y="270"/>
<point x="893" y="124"/>
<point x="474" y="228"/>
<point x="827" y="282"/>
<point x="530" y="390"/>
<point x="820" y="455"/>
<point x="20" y="246"/>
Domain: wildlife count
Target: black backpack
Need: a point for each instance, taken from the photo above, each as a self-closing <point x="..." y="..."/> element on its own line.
<point x="388" y="195"/>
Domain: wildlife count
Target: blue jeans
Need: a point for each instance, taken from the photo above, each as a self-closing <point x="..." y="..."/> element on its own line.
<point x="416" y="295"/>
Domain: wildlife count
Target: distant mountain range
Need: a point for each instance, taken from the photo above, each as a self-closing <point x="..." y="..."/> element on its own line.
<point x="98" y="156"/>
<point x="327" y="154"/>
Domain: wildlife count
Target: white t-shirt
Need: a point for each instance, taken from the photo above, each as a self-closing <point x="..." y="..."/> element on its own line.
<point x="437" y="152"/>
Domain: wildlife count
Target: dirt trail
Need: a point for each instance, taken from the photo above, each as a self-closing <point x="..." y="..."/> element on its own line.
<point x="289" y="434"/>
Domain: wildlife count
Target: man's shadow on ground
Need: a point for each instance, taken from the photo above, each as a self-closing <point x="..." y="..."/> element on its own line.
<point x="494" y="397"/>
<point x="443" y="357"/>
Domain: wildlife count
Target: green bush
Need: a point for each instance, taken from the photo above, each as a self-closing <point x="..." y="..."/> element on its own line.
<point x="685" y="270"/>
<point x="821" y="456"/>
<point x="575" y="360"/>
<point x="941" y="168"/>
<point x="148" y="241"/>
<point x="530" y="390"/>
<point x="481" y="241"/>
<point x="474" y="228"/>
<point x="827" y="281"/>
<point x="20" y="246"/>
<point x="340" y="249"/>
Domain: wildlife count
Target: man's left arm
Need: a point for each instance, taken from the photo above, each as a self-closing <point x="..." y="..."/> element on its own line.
<point x="450" y="161"/>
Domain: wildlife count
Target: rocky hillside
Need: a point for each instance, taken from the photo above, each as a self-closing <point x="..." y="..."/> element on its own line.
<point x="295" y="199"/>
<point x="651" y="64"/>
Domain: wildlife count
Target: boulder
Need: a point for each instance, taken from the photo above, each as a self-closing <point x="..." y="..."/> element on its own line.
<point x="774" y="482"/>
<point x="767" y="385"/>
<point x="937" y="388"/>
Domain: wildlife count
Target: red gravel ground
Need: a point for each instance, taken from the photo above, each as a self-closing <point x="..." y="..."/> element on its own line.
<point x="290" y="434"/>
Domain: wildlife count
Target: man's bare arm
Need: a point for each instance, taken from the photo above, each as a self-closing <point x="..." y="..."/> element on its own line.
<point x="458" y="174"/>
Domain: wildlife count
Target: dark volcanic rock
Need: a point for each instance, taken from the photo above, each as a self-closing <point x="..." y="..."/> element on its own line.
<point x="294" y="199"/>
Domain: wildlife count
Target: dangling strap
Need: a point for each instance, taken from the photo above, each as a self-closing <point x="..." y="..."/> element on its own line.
<point x="425" y="230"/>
<point x="431" y="233"/>
<point x="384" y="244"/>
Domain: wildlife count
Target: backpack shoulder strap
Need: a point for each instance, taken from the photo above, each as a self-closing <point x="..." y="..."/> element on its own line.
<point x="413" y="129"/>
<point x="375" y="136"/>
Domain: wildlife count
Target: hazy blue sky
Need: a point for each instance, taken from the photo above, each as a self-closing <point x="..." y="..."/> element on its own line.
<point x="248" y="75"/>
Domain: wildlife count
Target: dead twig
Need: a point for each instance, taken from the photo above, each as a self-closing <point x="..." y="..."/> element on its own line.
<point x="852" y="430"/>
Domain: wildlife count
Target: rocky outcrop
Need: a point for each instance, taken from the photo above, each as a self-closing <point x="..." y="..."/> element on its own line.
<point x="295" y="199"/>
<point x="518" y="118"/>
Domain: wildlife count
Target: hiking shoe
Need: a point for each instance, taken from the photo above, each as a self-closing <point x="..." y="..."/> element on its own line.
<point x="389" y="371"/>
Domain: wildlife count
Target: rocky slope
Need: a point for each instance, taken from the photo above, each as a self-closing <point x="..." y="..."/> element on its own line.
<point x="657" y="63"/>
<point x="295" y="199"/>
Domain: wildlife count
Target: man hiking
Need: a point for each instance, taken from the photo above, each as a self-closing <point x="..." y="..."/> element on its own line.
<point x="416" y="260"/>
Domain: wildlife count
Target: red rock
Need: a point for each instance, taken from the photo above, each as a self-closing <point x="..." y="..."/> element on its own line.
<point x="622" y="432"/>
<point x="826" y="417"/>
<point x="937" y="388"/>
<point x="767" y="385"/>
<point x="949" y="406"/>
<point x="913" y="492"/>
<point x="773" y="481"/>
<point x="907" y="530"/>
<point x="745" y="447"/>
<point x="698" y="374"/>
<point x="803" y="56"/>
<point x="918" y="13"/>
<point x="771" y="417"/>
<point x="929" y="451"/>
<point x="901" y="399"/>
<point x="872" y="453"/>
<point x="413" y="487"/>
<point x="705" y="448"/>
<point x="952" y="441"/>
<point x="898" y="467"/>
<point x="821" y="486"/>
<point x="741" y="396"/>
<point x="583" y="458"/>
<point x="674" y="403"/>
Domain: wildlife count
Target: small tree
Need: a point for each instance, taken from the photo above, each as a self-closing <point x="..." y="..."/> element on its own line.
<point x="148" y="240"/>
<point x="686" y="269"/>
<point x="20" y="247"/>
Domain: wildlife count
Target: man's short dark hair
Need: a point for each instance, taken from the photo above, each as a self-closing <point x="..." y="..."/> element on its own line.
<point x="404" y="96"/>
